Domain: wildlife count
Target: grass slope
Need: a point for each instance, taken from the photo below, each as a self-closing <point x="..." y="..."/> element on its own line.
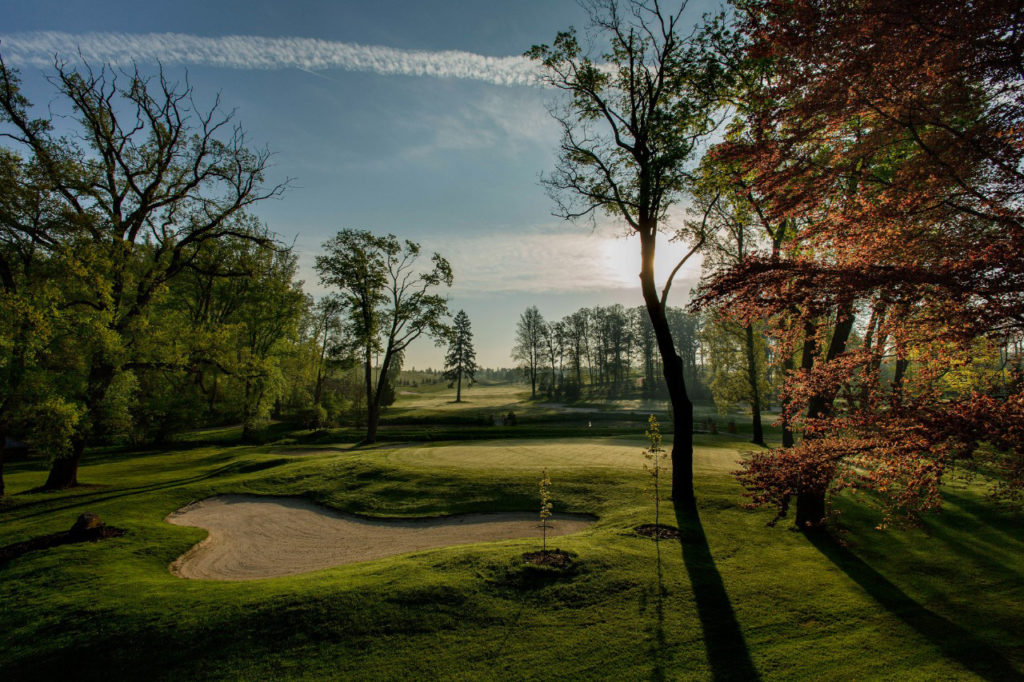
<point x="734" y="600"/>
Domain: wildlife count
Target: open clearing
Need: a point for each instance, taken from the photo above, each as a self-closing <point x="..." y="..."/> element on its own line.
<point x="255" y="537"/>
<point x="553" y="454"/>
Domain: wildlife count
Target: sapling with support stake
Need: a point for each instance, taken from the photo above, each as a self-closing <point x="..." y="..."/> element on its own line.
<point x="545" y="509"/>
<point x="654" y="457"/>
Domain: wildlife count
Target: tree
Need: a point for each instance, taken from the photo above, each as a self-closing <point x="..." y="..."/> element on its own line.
<point x="889" y="139"/>
<point x="729" y="208"/>
<point x="461" y="359"/>
<point x="267" y="317"/>
<point x="151" y="179"/>
<point x="391" y="300"/>
<point x="576" y="328"/>
<point x="628" y="129"/>
<point x="529" y="345"/>
<point x="653" y="465"/>
<point x="327" y="333"/>
<point x="545" y="508"/>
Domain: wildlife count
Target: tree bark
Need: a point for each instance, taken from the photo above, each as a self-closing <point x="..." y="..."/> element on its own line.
<point x="810" y="502"/>
<point x="810" y="509"/>
<point x="371" y="404"/>
<point x="374" y="394"/>
<point x="672" y="364"/>
<point x="458" y="387"/>
<point x="787" y="430"/>
<point x="755" y="393"/>
<point x="3" y="443"/>
<point x="64" y="471"/>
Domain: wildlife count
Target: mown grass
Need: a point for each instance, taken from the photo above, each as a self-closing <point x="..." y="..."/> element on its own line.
<point x="733" y="600"/>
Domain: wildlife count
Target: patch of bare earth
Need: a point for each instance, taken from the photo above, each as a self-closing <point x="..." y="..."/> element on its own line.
<point x="548" y="557"/>
<point x="265" y="537"/>
<point x="650" y="530"/>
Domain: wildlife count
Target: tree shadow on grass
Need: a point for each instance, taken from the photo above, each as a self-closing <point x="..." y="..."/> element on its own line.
<point x="658" y="646"/>
<point x="726" y="648"/>
<point x="48" y="505"/>
<point x="953" y="641"/>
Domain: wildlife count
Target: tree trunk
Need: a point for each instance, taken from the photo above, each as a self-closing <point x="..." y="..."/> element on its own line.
<point x="810" y="509"/>
<point x="64" y="471"/>
<point x="3" y="442"/>
<point x="371" y="404"/>
<point x="810" y="502"/>
<point x="787" y="430"/>
<point x="248" y="430"/>
<point x="755" y="393"/>
<point x="213" y="393"/>
<point x="672" y="364"/>
<point x="374" y="395"/>
<point x="458" y="387"/>
<point x="372" y="418"/>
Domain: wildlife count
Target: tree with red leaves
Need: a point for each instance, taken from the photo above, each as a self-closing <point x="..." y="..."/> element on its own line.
<point x="888" y="140"/>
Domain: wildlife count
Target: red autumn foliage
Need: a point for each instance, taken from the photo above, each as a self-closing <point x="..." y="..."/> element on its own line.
<point x="889" y="139"/>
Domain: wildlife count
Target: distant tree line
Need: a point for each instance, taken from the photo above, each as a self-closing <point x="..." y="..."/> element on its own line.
<point x="610" y="352"/>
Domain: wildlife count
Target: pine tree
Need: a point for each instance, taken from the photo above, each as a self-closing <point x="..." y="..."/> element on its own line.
<point x="461" y="359"/>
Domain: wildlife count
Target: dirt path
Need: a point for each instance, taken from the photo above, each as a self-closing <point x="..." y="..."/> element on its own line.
<point x="264" y="537"/>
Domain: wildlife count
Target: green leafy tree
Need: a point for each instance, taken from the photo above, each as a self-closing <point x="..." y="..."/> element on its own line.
<point x="267" y="330"/>
<point x="460" y="362"/>
<point x="145" y="182"/>
<point x="390" y="299"/>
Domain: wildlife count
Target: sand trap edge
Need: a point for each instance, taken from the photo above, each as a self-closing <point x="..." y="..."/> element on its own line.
<point x="214" y="543"/>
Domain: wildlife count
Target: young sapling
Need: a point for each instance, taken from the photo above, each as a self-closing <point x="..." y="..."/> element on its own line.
<point x="545" y="509"/>
<point x="654" y="457"/>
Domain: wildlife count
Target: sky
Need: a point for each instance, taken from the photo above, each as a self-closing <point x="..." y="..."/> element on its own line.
<point x="417" y="118"/>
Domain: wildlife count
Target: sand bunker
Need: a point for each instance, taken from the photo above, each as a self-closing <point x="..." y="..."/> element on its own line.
<point x="264" y="537"/>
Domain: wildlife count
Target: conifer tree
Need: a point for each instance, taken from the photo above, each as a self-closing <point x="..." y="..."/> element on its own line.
<point x="461" y="358"/>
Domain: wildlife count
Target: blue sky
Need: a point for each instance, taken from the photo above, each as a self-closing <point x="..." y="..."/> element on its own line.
<point x="388" y="117"/>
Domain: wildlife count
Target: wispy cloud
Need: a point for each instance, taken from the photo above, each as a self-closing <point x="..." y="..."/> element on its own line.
<point x="254" y="52"/>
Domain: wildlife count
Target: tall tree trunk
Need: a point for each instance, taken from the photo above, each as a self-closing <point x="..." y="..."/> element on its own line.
<point x="810" y="501"/>
<point x="248" y="430"/>
<point x="374" y="395"/>
<point x="371" y="405"/>
<point x="64" y="470"/>
<point x="899" y="373"/>
<point x="787" y="429"/>
<point x="372" y="417"/>
<point x="755" y="393"/>
<point x="213" y="393"/>
<point x="3" y="444"/>
<point x="682" y="407"/>
<point x="458" y="387"/>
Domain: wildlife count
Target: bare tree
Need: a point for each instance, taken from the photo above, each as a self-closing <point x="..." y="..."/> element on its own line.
<point x="629" y="127"/>
<point x="529" y="346"/>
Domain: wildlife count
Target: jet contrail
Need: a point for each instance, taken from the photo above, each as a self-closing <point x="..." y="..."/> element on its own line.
<point x="39" y="48"/>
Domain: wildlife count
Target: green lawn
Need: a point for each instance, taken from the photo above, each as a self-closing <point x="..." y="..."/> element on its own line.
<point x="734" y="600"/>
